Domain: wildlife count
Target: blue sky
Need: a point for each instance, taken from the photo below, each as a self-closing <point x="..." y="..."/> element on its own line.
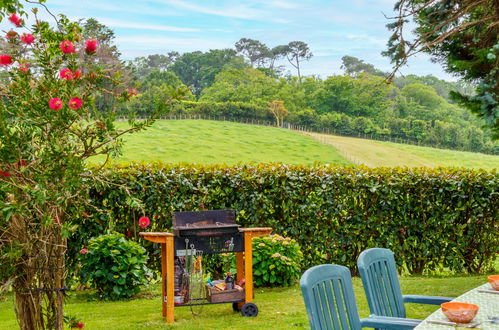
<point x="331" y="28"/>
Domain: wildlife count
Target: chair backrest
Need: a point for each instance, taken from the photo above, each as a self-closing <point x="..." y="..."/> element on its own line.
<point x="329" y="298"/>
<point x="381" y="284"/>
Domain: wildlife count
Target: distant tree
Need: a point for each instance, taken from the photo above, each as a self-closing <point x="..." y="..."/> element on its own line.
<point x="198" y="70"/>
<point x="255" y="51"/>
<point x="352" y="65"/>
<point x="278" y="110"/>
<point x="276" y="54"/>
<point x="460" y="34"/>
<point x="141" y="66"/>
<point x="298" y="51"/>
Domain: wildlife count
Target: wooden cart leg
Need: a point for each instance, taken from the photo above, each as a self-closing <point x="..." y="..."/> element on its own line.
<point x="163" y="278"/>
<point x="248" y="266"/>
<point x="240" y="270"/>
<point x="170" y="281"/>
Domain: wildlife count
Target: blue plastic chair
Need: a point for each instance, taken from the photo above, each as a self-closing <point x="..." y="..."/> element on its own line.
<point x="381" y="285"/>
<point x="330" y="302"/>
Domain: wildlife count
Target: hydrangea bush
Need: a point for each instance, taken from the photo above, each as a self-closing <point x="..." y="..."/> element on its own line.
<point x="49" y="127"/>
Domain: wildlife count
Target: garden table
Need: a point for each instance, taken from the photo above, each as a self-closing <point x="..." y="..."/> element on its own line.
<point x="487" y="302"/>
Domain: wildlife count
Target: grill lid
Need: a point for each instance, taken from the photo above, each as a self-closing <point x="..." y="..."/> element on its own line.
<point x="204" y="220"/>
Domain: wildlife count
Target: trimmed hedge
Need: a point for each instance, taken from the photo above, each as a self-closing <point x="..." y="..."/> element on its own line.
<point x="429" y="218"/>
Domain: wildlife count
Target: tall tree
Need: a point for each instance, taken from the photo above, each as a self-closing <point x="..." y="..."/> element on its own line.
<point x="255" y="51"/>
<point x="460" y="34"/>
<point x="297" y="52"/>
<point x="141" y="66"/>
<point x="352" y="65"/>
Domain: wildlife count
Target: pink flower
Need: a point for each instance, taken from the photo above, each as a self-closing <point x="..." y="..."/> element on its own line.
<point x="55" y="104"/>
<point x="5" y="60"/>
<point x="77" y="74"/>
<point x="144" y="222"/>
<point x="11" y="35"/>
<point x="91" y="46"/>
<point x="83" y="251"/>
<point x="132" y="92"/>
<point x="14" y="19"/>
<point x="24" y="67"/>
<point x="67" y="47"/>
<point x="66" y="74"/>
<point x="27" y="38"/>
<point x="75" y="103"/>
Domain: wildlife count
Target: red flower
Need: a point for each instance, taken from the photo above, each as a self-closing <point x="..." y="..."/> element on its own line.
<point x="144" y="222"/>
<point x="66" y="74"/>
<point x="67" y="47"/>
<point x="5" y="174"/>
<point x="27" y="38"/>
<point x="55" y="103"/>
<point x="91" y="46"/>
<point x="75" y="103"/>
<point x="21" y="163"/>
<point x="80" y="325"/>
<point x="132" y="92"/>
<point x="14" y="19"/>
<point x="83" y="251"/>
<point x="24" y="67"/>
<point x="11" y="35"/>
<point x="5" y="60"/>
<point x="77" y="74"/>
<point x="320" y="212"/>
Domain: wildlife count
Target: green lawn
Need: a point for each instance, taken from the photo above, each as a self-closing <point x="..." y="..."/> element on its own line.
<point x="279" y="308"/>
<point x="376" y="153"/>
<point x="214" y="142"/>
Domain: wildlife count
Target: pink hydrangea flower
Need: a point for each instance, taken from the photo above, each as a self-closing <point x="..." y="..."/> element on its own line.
<point x="144" y="222"/>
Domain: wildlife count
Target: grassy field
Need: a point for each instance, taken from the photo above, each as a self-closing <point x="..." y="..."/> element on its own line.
<point x="212" y="142"/>
<point x="376" y="153"/>
<point x="279" y="308"/>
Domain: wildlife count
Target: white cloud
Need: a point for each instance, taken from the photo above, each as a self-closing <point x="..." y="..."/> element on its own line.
<point x="239" y="11"/>
<point x="136" y="25"/>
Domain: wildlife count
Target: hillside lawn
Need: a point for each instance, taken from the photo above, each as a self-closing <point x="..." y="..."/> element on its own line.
<point x="217" y="142"/>
<point x="279" y="308"/>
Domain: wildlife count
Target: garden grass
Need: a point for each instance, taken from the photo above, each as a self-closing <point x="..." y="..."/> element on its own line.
<point x="216" y="142"/>
<point x="376" y="153"/>
<point x="279" y="308"/>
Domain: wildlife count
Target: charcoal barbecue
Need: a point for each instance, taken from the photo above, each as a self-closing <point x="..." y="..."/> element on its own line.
<point x="199" y="233"/>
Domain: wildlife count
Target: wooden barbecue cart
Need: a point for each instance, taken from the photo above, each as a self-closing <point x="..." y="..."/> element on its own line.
<point x="211" y="229"/>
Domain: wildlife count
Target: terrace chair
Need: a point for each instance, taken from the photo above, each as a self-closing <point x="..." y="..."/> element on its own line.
<point x="330" y="302"/>
<point x="381" y="285"/>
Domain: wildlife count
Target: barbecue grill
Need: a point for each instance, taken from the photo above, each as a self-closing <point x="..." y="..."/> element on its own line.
<point x="206" y="232"/>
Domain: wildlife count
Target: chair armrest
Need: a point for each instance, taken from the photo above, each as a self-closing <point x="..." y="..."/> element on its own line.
<point x="431" y="300"/>
<point x="386" y="322"/>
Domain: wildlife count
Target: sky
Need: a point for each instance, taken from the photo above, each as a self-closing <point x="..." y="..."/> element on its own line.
<point x="331" y="28"/>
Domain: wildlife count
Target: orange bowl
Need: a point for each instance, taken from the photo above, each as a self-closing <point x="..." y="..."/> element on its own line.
<point x="459" y="312"/>
<point x="494" y="281"/>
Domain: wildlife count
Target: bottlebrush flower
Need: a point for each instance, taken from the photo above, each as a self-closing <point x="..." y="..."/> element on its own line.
<point x="91" y="46"/>
<point x="66" y="74"/>
<point x="21" y="163"/>
<point x="75" y="103"/>
<point x="5" y="174"/>
<point x="24" y="67"/>
<point x="11" y="35"/>
<point x="77" y="74"/>
<point x="27" y="38"/>
<point x="144" y="222"/>
<point x="67" y="47"/>
<point x="55" y="103"/>
<point x="14" y="19"/>
<point x="132" y="92"/>
<point x="80" y="325"/>
<point x="5" y="60"/>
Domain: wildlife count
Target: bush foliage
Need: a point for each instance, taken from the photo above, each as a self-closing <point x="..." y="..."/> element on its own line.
<point x="114" y="266"/>
<point x="430" y="218"/>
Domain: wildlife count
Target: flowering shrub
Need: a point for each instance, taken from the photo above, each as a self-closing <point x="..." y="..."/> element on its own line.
<point x="49" y="126"/>
<point x="114" y="266"/>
